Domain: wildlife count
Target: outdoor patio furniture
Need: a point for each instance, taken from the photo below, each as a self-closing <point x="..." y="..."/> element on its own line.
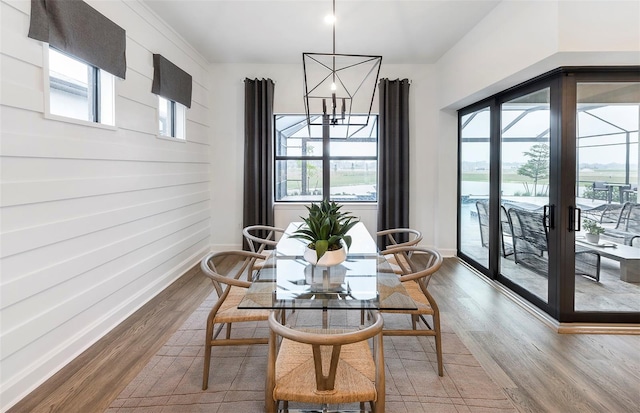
<point x="505" y="227"/>
<point x="604" y="213"/>
<point x="626" y="193"/>
<point x="531" y="247"/>
<point x="600" y="186"/>
<point x="620" y="187"/>
<point x="627" y="227"/>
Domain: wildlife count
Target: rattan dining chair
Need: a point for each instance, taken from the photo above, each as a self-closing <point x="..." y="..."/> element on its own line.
<point x="262" y="239"/>
<point x="325" y="366"/>
<point x="225" y="270"/>
<point x="423" y="263"/>
<point x="400" y="237"/>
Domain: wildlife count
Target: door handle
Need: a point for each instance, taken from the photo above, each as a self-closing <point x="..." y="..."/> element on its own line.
<point x="574" y="224"/>
<point x="549" y="216"/>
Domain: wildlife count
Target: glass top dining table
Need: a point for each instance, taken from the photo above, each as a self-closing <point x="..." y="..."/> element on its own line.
<point x="364" y="281"/>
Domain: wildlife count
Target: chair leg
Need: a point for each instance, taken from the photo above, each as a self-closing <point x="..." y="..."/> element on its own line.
<point x="228" y="331"/>
<point x="438" y="337"/>
<point x="207" y="356"/>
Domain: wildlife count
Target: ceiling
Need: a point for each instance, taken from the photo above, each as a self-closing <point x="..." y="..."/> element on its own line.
<point x="279" y="31"/>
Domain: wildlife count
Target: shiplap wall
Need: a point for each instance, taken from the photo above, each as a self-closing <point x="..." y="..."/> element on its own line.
<point x="94" y="221"/>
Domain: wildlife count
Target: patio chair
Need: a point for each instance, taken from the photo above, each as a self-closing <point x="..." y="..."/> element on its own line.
<point x="400" y="237"/>
<point x="604" y="214"/>
<point x="321" y="366"/>
<point x="482" y="207"/>
<point x="530" y="245"/>
<point x="600" y="186"/>
<point x="231" y="290"/>
<point x="505" y="227"/>
<point x="423" y="263"/>
<point x="627" y="227"/>
<point x="626" y="193"/>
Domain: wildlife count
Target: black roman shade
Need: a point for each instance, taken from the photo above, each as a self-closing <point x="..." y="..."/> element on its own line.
<point x="77" y="29"/>
<point x="171" y="82"/>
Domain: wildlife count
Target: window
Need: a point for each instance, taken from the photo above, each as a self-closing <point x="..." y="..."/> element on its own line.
<point x="80" y="91"/>
<point x="309" y="164"/>
<point x="171" y="118"/>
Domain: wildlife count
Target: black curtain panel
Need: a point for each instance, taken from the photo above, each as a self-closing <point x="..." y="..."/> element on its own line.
<point x="79" y="30"/>
<point x="393" y="156"/>
<point x="258" y="153"/>
<point x="171" y="82"/>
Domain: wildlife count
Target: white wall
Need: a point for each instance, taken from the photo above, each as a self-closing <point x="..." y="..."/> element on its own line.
<point x="519" y="40"/>
<point x="228" y="145"/>
<point x="94" y="221"/>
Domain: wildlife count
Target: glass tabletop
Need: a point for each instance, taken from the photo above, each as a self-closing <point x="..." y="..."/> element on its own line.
<point x="364" y="281"/>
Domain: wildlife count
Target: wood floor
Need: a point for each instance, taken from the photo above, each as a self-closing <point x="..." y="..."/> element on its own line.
<point x="539" y="370"/>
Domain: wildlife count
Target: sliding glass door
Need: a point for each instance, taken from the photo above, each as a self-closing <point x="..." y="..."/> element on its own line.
<point x="525" y="124"/>
<point x="537" y="163"/>
<point x="606" y="189"/>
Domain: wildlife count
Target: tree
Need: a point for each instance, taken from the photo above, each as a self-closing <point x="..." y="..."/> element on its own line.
<point x="537" y="167"/>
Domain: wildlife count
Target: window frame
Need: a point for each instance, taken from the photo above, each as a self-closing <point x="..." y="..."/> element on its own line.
<point x="325" y="159"/>
<point x="97" y="101"/>
<point x="177" y="116"/>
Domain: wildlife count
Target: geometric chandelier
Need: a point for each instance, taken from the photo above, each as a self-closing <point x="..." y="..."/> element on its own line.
<point x="335" y="84"/>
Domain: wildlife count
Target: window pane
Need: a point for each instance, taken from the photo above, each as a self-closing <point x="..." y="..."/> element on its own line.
<point x="180" y="120"/>
<point x="524" y="189"/>
<point x="354" y="147"/>
<point x="107" y="98"/>
<point x="70" y="87"/>
<point x="298" y="180"/>
<point x="294" y="138"/>
<point x="474" y="185"/>
<point x="165" y="117"/>
<point x="292" y="146"/>
<point x="606" y="178"/>
<point x="353" y="180"/>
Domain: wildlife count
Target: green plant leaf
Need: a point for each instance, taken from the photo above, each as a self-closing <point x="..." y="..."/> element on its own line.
<point x="321" y="247"/>
<point x="347" y="240"/>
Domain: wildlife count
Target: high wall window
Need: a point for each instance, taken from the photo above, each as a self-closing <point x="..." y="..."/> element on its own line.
<point x="80" y="91"/>
<point x="310" y="163"/>
<point x="171" y="117"/>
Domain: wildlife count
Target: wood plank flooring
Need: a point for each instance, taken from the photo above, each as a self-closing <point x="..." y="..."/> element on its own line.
<point x="540" y="370"/>
<point x="90" y="382"/>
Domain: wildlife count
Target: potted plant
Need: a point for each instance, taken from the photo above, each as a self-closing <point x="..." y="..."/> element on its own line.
<point x="326" y="230"/>
<point x="593" y="230"/>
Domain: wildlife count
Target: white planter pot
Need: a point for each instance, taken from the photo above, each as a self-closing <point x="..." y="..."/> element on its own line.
<point x="329" y="259"/>
<point x="592" y="238"/>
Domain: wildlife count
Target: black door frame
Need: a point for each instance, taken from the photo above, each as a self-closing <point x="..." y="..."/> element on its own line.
<point x="562" y="180"/>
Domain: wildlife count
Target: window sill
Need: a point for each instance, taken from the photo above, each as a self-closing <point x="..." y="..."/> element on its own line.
<point x="170" y="138"/>
<point x="80" y="122"/>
